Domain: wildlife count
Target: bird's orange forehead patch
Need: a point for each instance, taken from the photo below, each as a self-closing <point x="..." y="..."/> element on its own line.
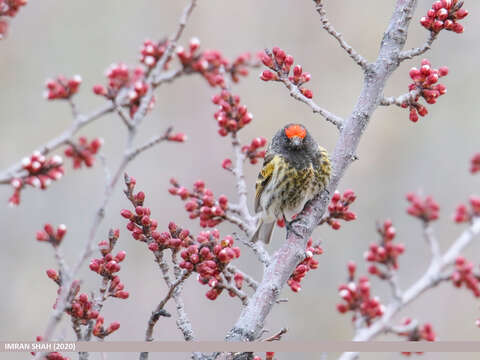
<point x="295" y="130"/>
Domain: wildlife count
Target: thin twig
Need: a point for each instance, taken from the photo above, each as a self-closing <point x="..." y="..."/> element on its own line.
<point x="251" y="282"/>
<point x="159" y="310"/>
<point x="80" y="121"/>
<point x="400" y="100"/>
<point x="359" y="59"/>
<point x="296" y="94"/>
<point x="277" y="336"/>
<point x="410" y="54"/>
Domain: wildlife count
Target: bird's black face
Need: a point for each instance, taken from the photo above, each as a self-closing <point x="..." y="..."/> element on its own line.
<point x="295" y="135"/>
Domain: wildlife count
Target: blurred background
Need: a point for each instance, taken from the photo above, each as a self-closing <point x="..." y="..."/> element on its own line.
<point x="396" y="156"/>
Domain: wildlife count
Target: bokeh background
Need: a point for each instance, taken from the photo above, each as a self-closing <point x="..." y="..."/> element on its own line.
<point x="396" y="156"/>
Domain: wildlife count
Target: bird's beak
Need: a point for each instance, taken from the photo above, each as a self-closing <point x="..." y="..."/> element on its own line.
<point x="296" y="141"/>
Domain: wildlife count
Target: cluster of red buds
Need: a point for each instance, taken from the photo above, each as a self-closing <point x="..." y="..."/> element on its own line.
<point x="99" y="330"/>
<point x="444" y="14"/>
<point x="475" y="163"/>
<point x="40" y="174"/>
<point x="358" y="299"/>
<point x="464" y="214"/>
<point x="309" y="263"/>
<point x="48" y="234"/>
<point x="424" y="85"/>
<point x="141" y="225"/>
<point x="212" y="65"/>
<point x="385" y="253"/>
<point x="82" y="309"/>
<point x="120" y="77"/>
<point x="151" y="53"/>
<point x="62" y="88"/>
<point x="464" y="275"/>
<point x="108" y="265"/>
<point x="9" y="8"/>
<point x="201" y="203"/>
<point x="51" y="355"/>
<point x="209" y="256"/>
<point x="338" y="209"/>
<point x="425" y="209"/>
<point x="231" y="116"/>
<point x="418" y="333"/>
<point x="254" y="151"/>
<point x="206" y="254"/>
<point x="281" y="64"/>
<point x="83" y="152"/>
<point x="268" y="356"/>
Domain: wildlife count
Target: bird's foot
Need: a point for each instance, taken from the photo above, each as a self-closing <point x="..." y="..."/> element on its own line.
<point x="288" y="225"/>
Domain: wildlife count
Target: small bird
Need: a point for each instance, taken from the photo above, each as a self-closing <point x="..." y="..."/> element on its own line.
<point x="294" y="170"/>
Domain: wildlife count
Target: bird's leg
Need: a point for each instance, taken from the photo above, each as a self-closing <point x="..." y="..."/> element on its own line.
<point x="288" y="225"/>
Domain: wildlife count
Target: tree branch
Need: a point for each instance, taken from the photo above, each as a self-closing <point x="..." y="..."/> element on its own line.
<point x="410" y="54"/>
<point x="80" y="121"/>
<point x="252" y="318"/>
<point x="296" y="94"/>
<point x="359" y="59"/>
<point x="431" y="278"/>
<point x="399" y="101"/>
<point x="129" y="154"/>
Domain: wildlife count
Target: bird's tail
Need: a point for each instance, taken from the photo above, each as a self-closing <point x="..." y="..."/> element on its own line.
<point x="264" y="231"/>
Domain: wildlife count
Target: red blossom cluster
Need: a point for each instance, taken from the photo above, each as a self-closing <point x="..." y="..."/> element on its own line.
<point x="48" y="234"/>
<point x="281" y="63"/>
<point x="444" y="14"/>
<point x="425" y="209"/>
<point x="150" y="53"/>
<point x="253" y="151"/>
<point x="83" y="152"/>
<point x="358" y="299"/>
<point x="108" y="265"/>
<point x="475" y="163"/>
<point x="309" y="263"/>
<point x="464" y="214"/>
<point x="212" y="65"/>
<point x="120" y="77"/>
<point x="339" y="208"/>
<point x="40" y="174"/>
<point x="9" y="8"/>
<point x="81" y="309"/>
<point x="425" y="85"/>
<point x="418" y="333"/>
<point x="386" y="252"/>
<point x="206" y="254"/>
<point x="61" y="87"/>
<point x="464" y="275"/>
<point x="51" y="355"/>
<point x="231" y="116"/>
<point x="209" y="257"/>
<point x="268" y="356"/>
<point x="99" y="330"/>
<point x="201" y="203"/>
